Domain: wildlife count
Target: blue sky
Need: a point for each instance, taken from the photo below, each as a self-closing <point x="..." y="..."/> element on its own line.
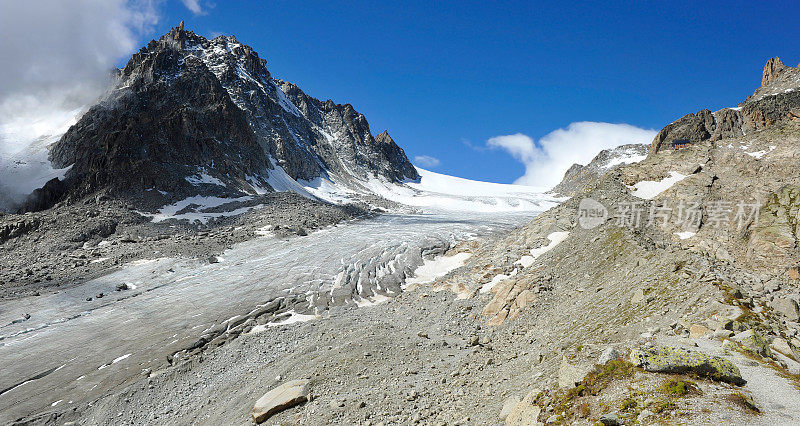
<point x="444" y="76"/>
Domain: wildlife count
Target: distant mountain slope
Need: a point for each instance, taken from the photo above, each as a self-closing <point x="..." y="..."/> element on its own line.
<point x="579" y="176"/>
<point x="190" y="115"/>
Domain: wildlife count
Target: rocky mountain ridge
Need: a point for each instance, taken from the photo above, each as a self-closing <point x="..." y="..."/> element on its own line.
<point x="192" y="116"/>
<point x="578" y="176"/>
<point x="776" y="100"/>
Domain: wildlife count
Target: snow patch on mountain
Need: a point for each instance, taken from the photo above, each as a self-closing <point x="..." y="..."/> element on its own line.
<point x="626" y="156"/>
<point x="196" y="209"/>
<point x="648" y="190"/>
<point x="202" y="177"/>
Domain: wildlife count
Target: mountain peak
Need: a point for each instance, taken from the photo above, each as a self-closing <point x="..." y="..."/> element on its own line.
<point x="185" y="106"/>
<point x="383" y="137"/>
<point x="772" y="69"/>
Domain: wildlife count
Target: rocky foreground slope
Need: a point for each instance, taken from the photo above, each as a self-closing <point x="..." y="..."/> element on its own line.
<point x="662" y="292"/>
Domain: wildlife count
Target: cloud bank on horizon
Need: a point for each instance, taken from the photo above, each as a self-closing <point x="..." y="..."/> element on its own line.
<point x="546" y="161"/>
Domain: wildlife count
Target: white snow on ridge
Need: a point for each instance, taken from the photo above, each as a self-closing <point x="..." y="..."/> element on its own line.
<point x="203" y="178"/>
<point x="648" y="189"/>
<point x="445" y="184"/>
<point x="627" y="158"/>
<point x="285" y="103"/>
<point x="436" y="191"/>
<point x="757" y="154"/>
<point x="497" y="279"/>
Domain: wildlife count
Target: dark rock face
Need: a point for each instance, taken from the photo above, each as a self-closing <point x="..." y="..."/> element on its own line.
<point x="394" y="154"/>
<point x="52" y="192"/>
<point x="185" y="104"/>
<point x="776" y="100"/>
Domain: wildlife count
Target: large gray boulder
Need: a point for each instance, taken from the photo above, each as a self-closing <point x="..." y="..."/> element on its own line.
<point x="284" y="396"/>
<point x="787" y="307"/>
<point x="753" y="342"/>
<point x="662" y="359"/>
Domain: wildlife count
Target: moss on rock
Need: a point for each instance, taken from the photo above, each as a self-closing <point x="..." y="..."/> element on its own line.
<point x="664" y="359"/>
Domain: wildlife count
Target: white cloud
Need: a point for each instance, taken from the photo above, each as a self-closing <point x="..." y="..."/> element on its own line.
<point x="547" y="161"/>
<point x="426" y="161"/>
<point x="57" y="59"/>
<point x="58" y="56"/>
<point x="193" y="6"/>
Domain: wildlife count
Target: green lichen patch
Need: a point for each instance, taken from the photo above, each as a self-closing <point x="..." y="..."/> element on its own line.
<point x="664" y="359"/>
<point x="679" y="388"/>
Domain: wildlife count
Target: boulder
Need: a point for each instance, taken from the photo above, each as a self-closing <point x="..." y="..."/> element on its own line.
<point x="697" y="331"/>
<point x="570" y="375"/>
<point x="526" y="412"/>
<point x="782" y="346"/>
<point x="282" y="397"/>
<point x="638" y="297"/>
<point x="644" y="416"/>
<point x="611" y="419"/>
<point x="508" y="406"/>
<point x="752" y="342"/>
<point x="663" y="359"/>
<point x="786" y="307"/>
<point x="608" y="355"/>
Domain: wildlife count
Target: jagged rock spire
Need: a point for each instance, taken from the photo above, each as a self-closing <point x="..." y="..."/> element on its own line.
<point x="772" y="69"/>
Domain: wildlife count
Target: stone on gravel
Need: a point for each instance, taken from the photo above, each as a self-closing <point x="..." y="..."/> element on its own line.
<point x="697" y="331"/>
<point x="570" y="375"/>
<point x="787" y="307"/>
<point x="782" y="346"/>
<point x="610" y="419"/>
<point x="638" y="297"/>
<point x="644" y="415"/>
<point x="525" y="412"/>
<point x="662" y="359"/>
<point x="284" y="396"/>
<point x="508" y="406"/>
<point x="608" y="355"/>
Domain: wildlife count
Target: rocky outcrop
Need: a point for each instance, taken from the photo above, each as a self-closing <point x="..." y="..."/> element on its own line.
<point x="774" y="239"/>
<point x="681" y="361"/>
<point x="772" y="69"/>
<point x="18" y="228"/>
<point x="770" y="104"/>
<point x="52" y="192"/>
<point x="525" y="412"/>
